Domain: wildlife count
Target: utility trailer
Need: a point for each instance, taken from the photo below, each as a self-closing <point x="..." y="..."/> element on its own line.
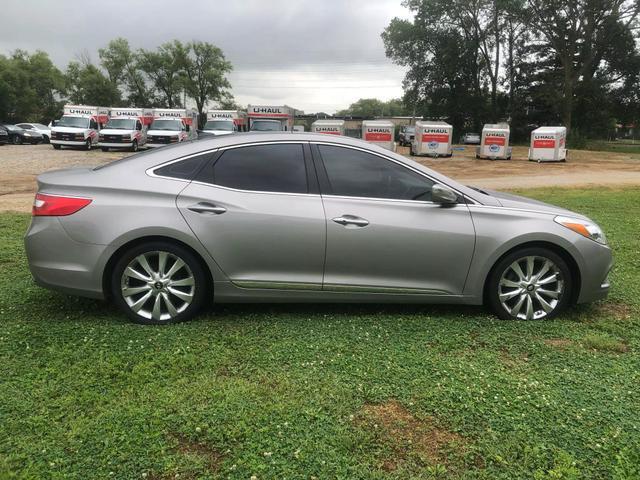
<point x="548" y="144"/>
<point x="328" y="127"/>
<point x="494" y="142"/>
<point x="379" y="132"/>
<point x="432" y="138"/>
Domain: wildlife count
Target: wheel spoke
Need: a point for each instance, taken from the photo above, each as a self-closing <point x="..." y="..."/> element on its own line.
<point x="185" y="297"/>
<point x="530" y="264"/>
<point x="505" y="282"/>
<point x="183" y="282"/>
<point x="509" y="295"/>
<point x="529" y="308"/>
<point x="157" y="310"/>
<point x="127" y="292"/>
<point x="545" y="306"/>
<point x="550" y="279"/>
<point x="545" y="268"/>
<point x="518" y="306"/>
<point x="162" y="262"/>
<point x="130" y="272"/>
<point x="170" y="307"/>
<point x="177" y="265"/>
<point x="549" y="293"/>
<point x="141" y="301"/>
<point x="515" y="266"/>
<point x="144" y="263"/>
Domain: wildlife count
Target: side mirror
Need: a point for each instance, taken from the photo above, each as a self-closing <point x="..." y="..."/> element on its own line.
<point x="444" y="195"/>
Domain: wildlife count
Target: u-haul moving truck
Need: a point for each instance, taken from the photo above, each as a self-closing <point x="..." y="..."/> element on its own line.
<point x="79" y="126"/>
<point x="494" y="143"/>
<point x="432" y="138"/>
<point x="224" y="122"/>
<point x="172" y="125"/>
<point x="328" y="127"/>
<point x="548" y="144"/>
<point x="127" y="128"/>
<point x="379" y="132"/>
<point x="264" y="118"/>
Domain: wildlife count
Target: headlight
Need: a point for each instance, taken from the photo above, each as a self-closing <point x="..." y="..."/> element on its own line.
<point x="583" y="227"/>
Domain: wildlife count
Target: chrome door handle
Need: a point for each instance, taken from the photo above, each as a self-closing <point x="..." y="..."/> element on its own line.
<point x="207" y="208"/>
<point x="351" y="220"/>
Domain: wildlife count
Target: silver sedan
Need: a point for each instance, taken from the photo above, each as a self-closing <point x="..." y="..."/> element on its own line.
<point x="303" y="218"/>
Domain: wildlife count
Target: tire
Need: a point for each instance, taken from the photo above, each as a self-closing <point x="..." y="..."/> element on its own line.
<point x="411" y="152"/>
<point x="190" y="297"/>
<point x="105" y="149"/>
<point x="17" y="140"/>
<point x="88" y="145"/>
<point x="45" y="139"/>
<point x="522" y="298"/>
<point x="134" y="146"/>
<point x="56" y="146"/>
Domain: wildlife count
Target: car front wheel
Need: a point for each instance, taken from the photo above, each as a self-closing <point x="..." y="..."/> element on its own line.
<point x="530" y="284"/>
<point x="159" y="283"/>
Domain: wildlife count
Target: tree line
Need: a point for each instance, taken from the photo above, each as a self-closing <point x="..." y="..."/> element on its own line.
<point x="528" y="62"/>
<point x="33" y="89"/>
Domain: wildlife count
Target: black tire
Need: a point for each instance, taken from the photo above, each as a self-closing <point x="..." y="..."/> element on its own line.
<point x="17" y="140"/>
<point x="88" y="144"/>
<point x="134" y="146"/>
<point x="56" y="146"/>
<point x="45" y="139"/>
<point x="201" y="288"/>
<point x="105" y="149"/>
<point x="492" y="286"/>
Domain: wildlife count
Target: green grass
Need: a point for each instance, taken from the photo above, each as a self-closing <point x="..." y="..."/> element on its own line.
<point x="350" y="392"/>
<point x="616" y="147"/>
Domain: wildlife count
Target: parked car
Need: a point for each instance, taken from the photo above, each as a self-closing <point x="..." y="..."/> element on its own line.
<point x="276" y="217"/>
<point x="470" y="139"/>
<point x="4" y="136"/>
<point x="406" y="136"/>
<point x="37" y="127"/>
<point x="18" y="135"/>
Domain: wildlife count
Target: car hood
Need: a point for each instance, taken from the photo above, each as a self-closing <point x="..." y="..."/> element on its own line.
<point x="516" y="201"/>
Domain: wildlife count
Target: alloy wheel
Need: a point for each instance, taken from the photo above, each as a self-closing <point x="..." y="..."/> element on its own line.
<point x="531" y="287"/>
<point x="158" y="285"/>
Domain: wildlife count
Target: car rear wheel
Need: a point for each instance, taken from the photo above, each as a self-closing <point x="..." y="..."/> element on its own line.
<point x="159" y="283"/>
<point x="530" y="284"/>
<point x="56" y="146"/>
<point x="17" y="140"/>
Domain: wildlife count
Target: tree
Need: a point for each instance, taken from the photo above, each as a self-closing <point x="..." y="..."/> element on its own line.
<point x="86" y="84"/>
<point x="372" y="107"/>
<point x="123" y="69"/>
<point x="165" y="68"/>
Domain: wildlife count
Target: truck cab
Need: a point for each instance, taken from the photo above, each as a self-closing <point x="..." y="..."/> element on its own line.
<point x="79" y="127"/>
<point x="220" y="126"/>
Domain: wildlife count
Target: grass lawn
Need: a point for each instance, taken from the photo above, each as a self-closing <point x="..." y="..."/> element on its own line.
<point x="615" y="147"/>
<point x="350" y="392"/>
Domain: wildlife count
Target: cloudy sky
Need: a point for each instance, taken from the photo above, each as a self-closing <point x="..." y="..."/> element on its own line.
<point x="314" y="55"/>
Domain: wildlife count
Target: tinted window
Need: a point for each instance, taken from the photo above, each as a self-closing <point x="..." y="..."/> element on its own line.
<point x="265" y="168"/>
<point x="185" y="169"/>
<point x="353" y="173"/>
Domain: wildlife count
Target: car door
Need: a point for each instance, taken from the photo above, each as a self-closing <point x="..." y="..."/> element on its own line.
<point x="384" y="235"/>
<point x="258" y="211"/>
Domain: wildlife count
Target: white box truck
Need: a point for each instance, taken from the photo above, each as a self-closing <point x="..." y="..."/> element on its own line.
<point x="328" y="127"/>
<point x="548" y="144"/>
<point x="79" y="126"/>
<point x="494" y="142"/>
<point x="432" y="138"/>
<point x="126" y="128"/>
<point x="264" y="118"/>
<point x="225" y="122"/>
<point x="172" y="125"/>
<point x="379" y="132"/>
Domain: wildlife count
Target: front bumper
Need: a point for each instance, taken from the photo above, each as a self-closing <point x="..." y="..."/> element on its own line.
<point x="115" y="144"/>
<point x="69" y="143"/>
<point x="597" y="262"/>
<point x="156" y="145"/>
<point x="60" y="263"/>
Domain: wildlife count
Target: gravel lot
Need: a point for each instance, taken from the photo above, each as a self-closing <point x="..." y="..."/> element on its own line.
<point x="22" y="163"/>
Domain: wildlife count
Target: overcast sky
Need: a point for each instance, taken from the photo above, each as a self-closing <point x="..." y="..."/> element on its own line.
<point x="314" y="55"/>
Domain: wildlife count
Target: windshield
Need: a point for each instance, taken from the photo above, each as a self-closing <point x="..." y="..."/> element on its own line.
<point x="173" y="125"/>
<point x="122" y="124"/>
<point x="265" y="126"/>
<point x="40" y="126"/>
<point x="219" y="125"/>
<point x="410" y="129"/>
<point x="12" y="128"/>
<point x="77" y="122"/>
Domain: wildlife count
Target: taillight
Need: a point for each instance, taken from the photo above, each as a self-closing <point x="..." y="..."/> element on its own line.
<point x="57" y="206"/>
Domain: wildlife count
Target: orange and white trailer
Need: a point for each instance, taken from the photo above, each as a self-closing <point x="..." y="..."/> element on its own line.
<point x="79" y="126"/>
<point x="432" y="138"/>
<point x="172" y="125"/>
<point x="379" y="132"/>
<point x="328" y="127"/>
<point x="126" y="128"/>
<point x="494" y="142"/>
<point x="548" y="144"/>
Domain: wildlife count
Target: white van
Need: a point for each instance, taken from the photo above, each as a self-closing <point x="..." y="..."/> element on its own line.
<point x="79" y="126"/>
<point x="225" y="122"/>
<point x="432" y="138"/>
<point x="172" y="125"/>
<point x="548" y="144"/>
<point x="264" y="118"/>
<point x="127" y="128"/>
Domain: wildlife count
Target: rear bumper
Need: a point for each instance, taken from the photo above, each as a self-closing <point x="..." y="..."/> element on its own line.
<point x="60" y="263"/>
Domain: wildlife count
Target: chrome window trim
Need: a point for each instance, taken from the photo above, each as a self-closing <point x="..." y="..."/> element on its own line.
<point x="261" y="192"/>
<point x="401" y="164"/>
